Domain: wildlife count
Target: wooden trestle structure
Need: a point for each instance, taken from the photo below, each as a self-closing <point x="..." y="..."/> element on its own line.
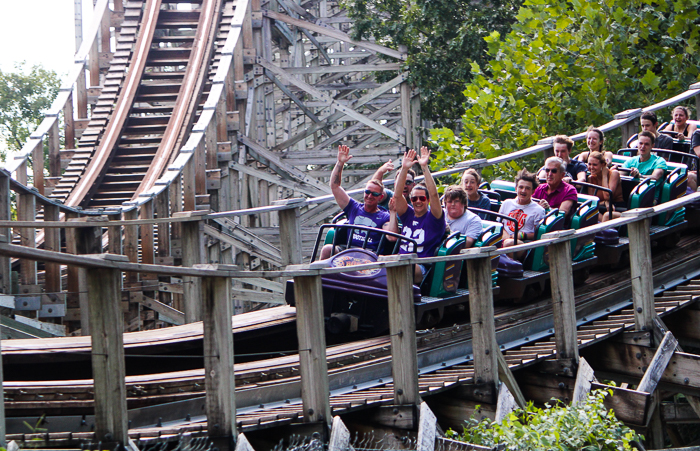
<point x="198" y="136"/>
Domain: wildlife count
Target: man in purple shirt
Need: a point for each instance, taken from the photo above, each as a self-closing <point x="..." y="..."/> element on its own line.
<point x="366" y="214"/>
<point x="556" y="193"/>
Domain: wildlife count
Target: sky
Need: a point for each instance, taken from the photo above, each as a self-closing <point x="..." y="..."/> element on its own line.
<point x="38" y="32"/>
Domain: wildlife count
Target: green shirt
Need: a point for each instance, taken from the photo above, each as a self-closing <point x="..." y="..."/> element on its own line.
<point x="646" y="167"/>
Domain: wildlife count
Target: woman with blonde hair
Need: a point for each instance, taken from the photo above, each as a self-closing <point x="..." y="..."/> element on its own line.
<point x="607" y="178"/>
<point x="475" y="199"/>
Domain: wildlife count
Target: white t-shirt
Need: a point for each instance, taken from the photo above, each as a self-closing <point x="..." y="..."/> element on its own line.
<point x="469" y="224"/>
<point x="527" y="215"/>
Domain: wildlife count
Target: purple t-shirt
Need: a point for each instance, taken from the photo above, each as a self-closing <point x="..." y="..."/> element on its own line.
<point x="357" y="214"/>
<point x="427" y="230"/>
<point x="563" y="193"/>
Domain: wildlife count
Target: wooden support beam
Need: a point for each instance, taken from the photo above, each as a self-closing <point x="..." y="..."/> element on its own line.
<point x="26" y="211"/>
<point x="114" y="237"/>
<point x="313" y="368"/>
<point x="54" y="151"/>
<point x="563" y="302"/>
<point x="162" y="208"/>
<point x="108" y="368"/>
<point x="147" y="241"/>
<point x="402" y="329"/>
<point x="38" y="166"/>
<point x="193" y="252"/>
<point x="218" y="357"/>
<point x="290" y="229"/>
<point x="5" y="215"/>
<point x="131" y="243"/>
<point x="81" y="94"/>
<point x="484" y="343"/>
<point x="88" y="241"/>
<point x="69" y="124"/>
<point x="52" y="242"/>
<point x="506" y="376"/>
<point x="658" y="364"/>
<point x="641" y="274"/>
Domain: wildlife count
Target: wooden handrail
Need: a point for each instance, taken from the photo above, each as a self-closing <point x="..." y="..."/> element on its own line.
<point x="316" y="268"/>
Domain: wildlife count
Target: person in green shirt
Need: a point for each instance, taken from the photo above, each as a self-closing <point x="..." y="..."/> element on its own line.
<point x="645" y="163"/>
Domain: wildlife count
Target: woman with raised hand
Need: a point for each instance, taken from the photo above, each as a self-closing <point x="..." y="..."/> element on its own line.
<point x="424" y="221"/>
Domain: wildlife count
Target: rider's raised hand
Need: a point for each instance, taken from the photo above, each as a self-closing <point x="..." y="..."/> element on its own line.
<point x="343" y="154"/>
<point x="424" y="156"/>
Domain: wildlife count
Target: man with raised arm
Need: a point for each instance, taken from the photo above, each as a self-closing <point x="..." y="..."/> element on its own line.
<point x="365" y="214"/>
<point x="424" y="221"/>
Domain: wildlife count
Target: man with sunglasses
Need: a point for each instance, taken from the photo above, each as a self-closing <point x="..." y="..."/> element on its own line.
<point x="424" y="221"/>
<point x="388" y="194"/>
<point x="556" y="193"/>
<point x="366" y="214"/>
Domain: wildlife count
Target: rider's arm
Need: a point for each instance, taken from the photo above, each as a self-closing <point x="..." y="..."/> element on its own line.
<point x="341" y="197"/>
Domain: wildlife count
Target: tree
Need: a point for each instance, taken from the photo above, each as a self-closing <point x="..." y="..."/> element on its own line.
<point x="442" y="37"/>
<point x="569" y="64"/>
<point x="24" y="96"/>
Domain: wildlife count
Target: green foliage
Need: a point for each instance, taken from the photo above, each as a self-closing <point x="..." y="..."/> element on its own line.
<point x="587" y="426"/>
<point x="24" y="95"/>
<point x="442" y="37"/>
<point x="569" y="64"/>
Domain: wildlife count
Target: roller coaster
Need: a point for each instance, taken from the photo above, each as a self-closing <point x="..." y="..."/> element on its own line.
<point x="195" y="137"/>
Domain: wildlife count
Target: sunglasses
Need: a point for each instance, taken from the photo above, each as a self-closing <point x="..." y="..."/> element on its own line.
<point x="553" y="171"/>
<point x="372" y="193"/>
<point x="409" y="182"/>
<point x="418" y="198"/>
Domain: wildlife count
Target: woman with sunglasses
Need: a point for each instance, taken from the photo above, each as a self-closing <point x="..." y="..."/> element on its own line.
<point x="424" y="221"/>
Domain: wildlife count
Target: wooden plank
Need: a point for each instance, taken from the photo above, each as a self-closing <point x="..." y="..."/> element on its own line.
<point x="402" y="329"/>
<point x="584" y="379"/>
<point x="658" y="364"/>
<point x="108" y="366"/>
<point x="641" y="274"/>
<point x="218" y="357"/>
<point x="482" y="319"/>
<point x="162" y="208"/>
<point x="313" y="369"/>
<point x="114" y="237"/>
<point x="245" y="241"/>
<point x="176" y="316"/>
<point x="405" y="91"/>
<point x="506" y="376"/>
<point x="563" y="300"/>
<point x="506" y="403"/>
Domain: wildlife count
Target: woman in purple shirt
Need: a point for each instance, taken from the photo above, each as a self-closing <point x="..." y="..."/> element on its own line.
<point x="424" y="221"/>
